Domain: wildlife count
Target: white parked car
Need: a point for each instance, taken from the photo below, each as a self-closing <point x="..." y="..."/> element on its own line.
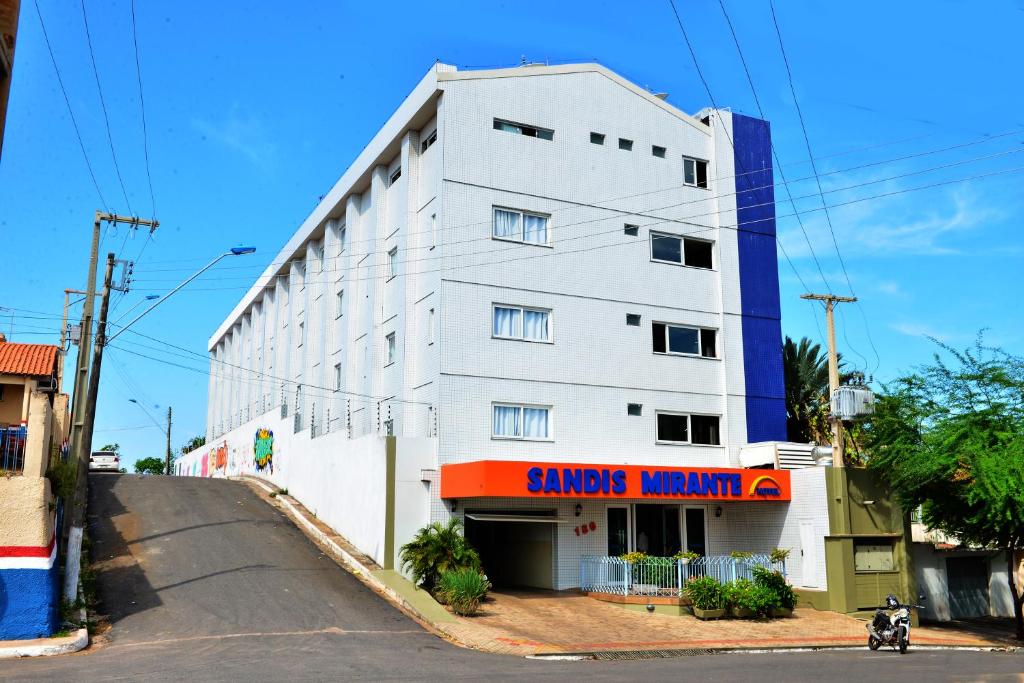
<point x="104" y="461"/>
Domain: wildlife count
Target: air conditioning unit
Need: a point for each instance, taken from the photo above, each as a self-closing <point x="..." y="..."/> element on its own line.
<point x="852" y="402"/>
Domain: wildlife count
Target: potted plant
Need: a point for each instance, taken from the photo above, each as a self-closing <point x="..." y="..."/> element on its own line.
<point x="685" y="556"/>
<point x="706" y="595"/>
<point x="741" y="599"/>
<point x="784" y="597"/>
<point x="779" y="555"/>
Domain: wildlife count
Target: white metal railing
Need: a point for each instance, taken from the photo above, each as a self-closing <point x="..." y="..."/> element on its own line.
<point x="664" y="575"/>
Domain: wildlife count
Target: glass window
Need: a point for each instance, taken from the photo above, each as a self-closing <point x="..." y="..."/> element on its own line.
<point x="515" y="322"/>
<point x="666" y="248"/>
<point x="695" y="172"/>
<point x="521" y="422"/>
<point x="698" y="253"/>
<point x="633" y="319"/>
<point x="337" y="376"/>
<point x="705" y="430"/>
<point x="522" y="129"/>
<point x="431" y="139"/>
<point x="339" y="304"/>
<point x="302" y="333"/>
<point x="395" y="175"/>
<point x="869" y="557"/>
<point x="341" y="238"/>
<point x="597" y="138"/>
<point x="520" y="226"/>
<point x="673" y="428"/>
<point x="658" y="151"/>
<point x="393" y="262"/>
<point x="685" y="340"/>
<point x="625" y="144"/>
<point x="631" y="230"/>
<point x="391" y="348"/>
<point x="634" y="409"/>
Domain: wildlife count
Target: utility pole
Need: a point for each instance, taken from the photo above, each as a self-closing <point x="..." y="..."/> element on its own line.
<point x="89" y="408"/>
<point x="79" y="447"/>
<point x="64" y="336"/>
<point x="838" y="449"/>
<point x="167" y="464"/>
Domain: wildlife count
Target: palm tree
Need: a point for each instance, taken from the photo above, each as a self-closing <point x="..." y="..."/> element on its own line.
<point x="437" y="549"/>
<point x="805" y="369"/>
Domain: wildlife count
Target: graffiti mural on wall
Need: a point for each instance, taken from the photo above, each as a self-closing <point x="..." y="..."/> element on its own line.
<point x="221" y="454"/>
<point x="263" y="450"/>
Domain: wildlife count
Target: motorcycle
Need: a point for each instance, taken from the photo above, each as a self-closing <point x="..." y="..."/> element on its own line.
<point x="891" y="625"/>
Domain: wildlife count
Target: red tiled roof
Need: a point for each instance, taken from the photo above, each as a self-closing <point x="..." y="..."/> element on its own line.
<point x="27" y="359"/>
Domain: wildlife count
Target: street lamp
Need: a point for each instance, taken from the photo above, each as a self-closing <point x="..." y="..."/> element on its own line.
<point x="149" y="297"/>
<point x="234" y="251"/>
<point x="153" y="419"/>
<point x="167" y="433"/>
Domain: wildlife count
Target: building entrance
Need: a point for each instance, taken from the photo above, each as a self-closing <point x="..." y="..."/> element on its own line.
<point x="515" y="551"/>
<point x="664" y="530"/>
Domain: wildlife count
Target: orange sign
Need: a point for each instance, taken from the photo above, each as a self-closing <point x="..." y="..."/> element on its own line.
<point x="504" y="478"/>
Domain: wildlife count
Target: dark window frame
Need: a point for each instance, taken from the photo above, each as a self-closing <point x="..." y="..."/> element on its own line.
<point x="523" y="129"/>
<point x="661" y="339"/>
<point x="684" y="241"/>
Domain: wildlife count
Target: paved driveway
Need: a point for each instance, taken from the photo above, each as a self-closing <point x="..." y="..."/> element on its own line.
<point x="202" y="581"/>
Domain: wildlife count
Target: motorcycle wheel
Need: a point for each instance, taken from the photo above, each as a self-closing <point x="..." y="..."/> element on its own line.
<point x="903" y="645"/>
<point x="873" y="643"/>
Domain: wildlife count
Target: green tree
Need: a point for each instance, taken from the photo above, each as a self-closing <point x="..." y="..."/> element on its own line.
<point x="805" y="370"/>
<point x="149" y="466"/>
<point x="437" y="549"/>
<point x="950" y="438"/>
<point x="193" y="443"/>
<point x="115" y="447"/>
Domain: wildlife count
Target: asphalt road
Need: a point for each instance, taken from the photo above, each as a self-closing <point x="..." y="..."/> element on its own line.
<point x="203" y="581"/>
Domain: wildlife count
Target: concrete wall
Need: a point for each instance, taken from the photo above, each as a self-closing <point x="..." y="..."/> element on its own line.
<point x="343" y="481"/>
<point x="29" y="594"/>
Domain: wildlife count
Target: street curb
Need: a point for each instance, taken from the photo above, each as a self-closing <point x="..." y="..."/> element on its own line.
<point x="797" y="649"/>
<point x="60" y="646"/>
<point x="351" y="564"/>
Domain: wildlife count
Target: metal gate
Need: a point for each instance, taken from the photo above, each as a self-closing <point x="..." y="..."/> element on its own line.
<point x="968" y="586"/>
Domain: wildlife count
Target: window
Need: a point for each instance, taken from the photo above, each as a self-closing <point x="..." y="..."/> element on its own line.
<point x="433" y="230"/>
<point x="341" y="238"/>
<point x="393" y="263"/>
<point x="691" y="341"/>
<point x="395" y="175"/>
<point x="658" y="151"/>
<point x="635" y="409"/>
<point x="431" y="139"/>
<point x="692" y="429"/>
<point x="390" y="341"/>
<point x="302" y="333"/>
<point x="521" y="129"/>
<point x="430" y="326"/>
<point x="633" y="319"/>
<point x="320" y="258"/>
<point x="521" y="422"/>
<point x="673" y="428"/>
<point x="631" y="230"/>
<point x="597" y="138"/>
<point x="869" y="557"/>
<point x="339" y="304"/>
<point x="682" y="250"/>
<point x="626" y="144"/>
<point x="516" y="322"/>
<point x="519" y="226"/>
<point x="695" y="172"/>
<point x="337" y="376"/>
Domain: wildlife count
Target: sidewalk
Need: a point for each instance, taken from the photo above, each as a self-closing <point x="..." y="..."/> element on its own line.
<point x="539" y="622"/>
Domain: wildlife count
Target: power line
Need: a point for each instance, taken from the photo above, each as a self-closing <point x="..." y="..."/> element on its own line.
<point x="142" y="108"/>
<point x="71" y="113"/>
<point x="550" y="253"/>
<point x="807" y="142"/>
<point x="103" y="106"/>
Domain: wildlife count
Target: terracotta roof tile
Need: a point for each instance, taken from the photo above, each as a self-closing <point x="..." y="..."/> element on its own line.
<point x="27" y="359"/>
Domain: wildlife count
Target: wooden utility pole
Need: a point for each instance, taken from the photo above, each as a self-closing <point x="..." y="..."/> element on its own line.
<point x="838" y="455"/>
<point x="167" y="464"/>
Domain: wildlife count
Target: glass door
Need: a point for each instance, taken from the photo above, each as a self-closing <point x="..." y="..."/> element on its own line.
<point x="618" y="530"/>
<point x="696" y="530"/>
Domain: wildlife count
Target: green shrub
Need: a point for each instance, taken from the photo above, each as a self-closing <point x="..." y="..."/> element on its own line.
<point x="436" y="549"/>
<point x="779" y="555"/>
<point x="62" y="475"/>
<point x="775" y="582"/>
<point x="463" y="590"/>
<point x="705" y="593"/>
<point x="745" y="594"/>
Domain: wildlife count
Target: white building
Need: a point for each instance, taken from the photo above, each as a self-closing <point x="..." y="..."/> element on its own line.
<point x="527" y="268"/>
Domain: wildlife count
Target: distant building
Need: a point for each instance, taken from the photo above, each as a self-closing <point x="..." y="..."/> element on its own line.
<point x="9" y="10"/>
<point x="545" y="301"/>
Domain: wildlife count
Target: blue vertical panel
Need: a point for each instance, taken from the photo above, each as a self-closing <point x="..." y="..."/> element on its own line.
<point x="759" y="280"/>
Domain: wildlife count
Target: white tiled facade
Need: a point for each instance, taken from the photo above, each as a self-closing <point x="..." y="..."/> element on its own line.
<point x="414" y="257"/>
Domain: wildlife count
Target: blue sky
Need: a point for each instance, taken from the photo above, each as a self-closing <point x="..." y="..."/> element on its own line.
<point x="254" y="110"/>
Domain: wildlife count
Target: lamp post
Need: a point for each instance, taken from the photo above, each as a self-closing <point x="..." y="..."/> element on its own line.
<point x="234" y="251"/>
<point x="167" y="432"/>
<point x="149" y="297"/>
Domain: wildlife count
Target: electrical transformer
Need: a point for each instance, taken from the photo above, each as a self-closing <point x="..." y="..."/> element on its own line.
<point x="852" y="402"/>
